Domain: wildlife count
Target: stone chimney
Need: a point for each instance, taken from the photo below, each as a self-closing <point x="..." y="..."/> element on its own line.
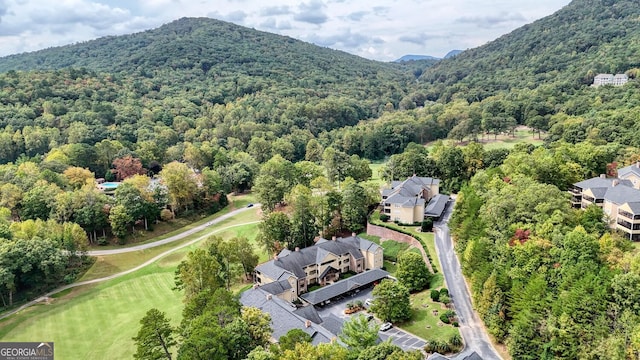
<point x="615" y="182"/>
<point x="275" y="257"/>
<point x="333" y="238"/>
<point x="603" y="176"/>
<point x="353" y="234"/>
<point x="255" y="286"/>
<point x="638" y="164"/>
<point x="269" y="296"/>
<point x="307" y="323"/>
<point x="297" y="248"/>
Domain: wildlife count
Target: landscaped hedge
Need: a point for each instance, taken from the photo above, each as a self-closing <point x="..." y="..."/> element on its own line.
<point x="402" y="231"/>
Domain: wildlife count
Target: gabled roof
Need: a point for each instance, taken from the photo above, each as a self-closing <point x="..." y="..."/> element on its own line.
<point x="342" y="287"/>
<point x="309" y="313"/>
<point x="621" y="194"/>
<point x="283" y="316"/>
<point x="276" y="287"/>
<point x="436" y="205"/>
<point x="290" y="263"/>
<point x="635" y="207"/>
<point x="632" y="169"/>
<point x="408" y="193"/>
<point x="599" y="182"/>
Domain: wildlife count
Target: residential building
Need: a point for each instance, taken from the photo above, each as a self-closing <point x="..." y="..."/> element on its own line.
<point x="631" y="173"/>
<point x="413" y="199"/>
<point x="610" y="79"/>
<point x="619" y="199"/>
<point x="286" y="316"/>
<point x="291" y="273"/>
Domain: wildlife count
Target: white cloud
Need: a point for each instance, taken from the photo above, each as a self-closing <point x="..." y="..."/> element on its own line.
<point x="377" y="29"/>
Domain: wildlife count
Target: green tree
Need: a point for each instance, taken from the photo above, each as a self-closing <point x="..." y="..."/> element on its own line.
<point x="391" y="301"/>
<point x="198" y="272"/>
<point x="120" y="220"/>
<point x="293" y="337"/>
<point x="276" y="178"/>
<point x="358" y="333"/>
<point x="412" y="271"/>
<point x="259" y="325"/>
<point x="275" y="232"/>
<point x="354" y="207"/>
<point x="155" y="337"/>
<point x="181" y="184"/>
<point x="303" y="222"/>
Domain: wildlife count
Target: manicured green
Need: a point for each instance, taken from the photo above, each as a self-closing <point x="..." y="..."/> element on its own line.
<point x="423" y="322"/>
<point x="98" y="322"/>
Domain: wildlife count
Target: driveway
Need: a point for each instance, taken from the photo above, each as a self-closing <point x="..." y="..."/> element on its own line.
<point x="471" y="326"/>
<point x="398" y="336"/>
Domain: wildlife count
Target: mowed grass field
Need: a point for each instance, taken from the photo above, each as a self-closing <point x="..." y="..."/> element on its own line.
<point x="503" y="141"/>
<point x="98" y="321"/>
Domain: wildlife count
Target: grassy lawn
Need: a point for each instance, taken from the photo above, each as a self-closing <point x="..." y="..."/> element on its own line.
<point x="376" y="172"/>
<point x="424" y="323"/>
<point x="503" y="141"/>
<point x="393" y="248"/>
<point x="167" y="229"/>
<point x="112" y="264"/>
<point x="427" y="238"/>
<point x="98" y="322"/>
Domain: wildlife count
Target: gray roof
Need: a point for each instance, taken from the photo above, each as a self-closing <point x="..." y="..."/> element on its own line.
<point x="621" y="194"/>
<point x="283" y="316"/>
<point x="635" y="207"/>
<point x="309" y="313"/>
<point x="332" y="323"/>
<point x="342" y="287"/>
<point x="436" y="356"/>
<point x="276" y="287"/>
<point x="599" y="182"/>
<point x="437" y="205"/>
<point x="474" y="356"/>
<point x="614" y="190"/>
<point x="273" y="271"/>
<point x="406" y="192"/>
<point x="632" y="169"/>
<point x="294" y="262"/>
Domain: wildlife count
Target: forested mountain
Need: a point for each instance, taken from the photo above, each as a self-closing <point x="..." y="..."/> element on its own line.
<point x="567" y="49"/>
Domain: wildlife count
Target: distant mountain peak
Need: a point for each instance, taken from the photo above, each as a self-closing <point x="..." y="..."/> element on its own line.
<point x="415" y="58"/>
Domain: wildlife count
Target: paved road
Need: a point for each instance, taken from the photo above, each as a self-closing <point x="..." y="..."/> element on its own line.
<point x="173" y="238"/>
<point x="146" y="263"/>
<point x="471" y="327"/>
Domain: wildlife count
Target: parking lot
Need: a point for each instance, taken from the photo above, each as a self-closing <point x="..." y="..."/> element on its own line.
<point x="398" y="337"/>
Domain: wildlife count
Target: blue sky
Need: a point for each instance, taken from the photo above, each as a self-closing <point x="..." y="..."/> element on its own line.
<point x="376" y="29"/>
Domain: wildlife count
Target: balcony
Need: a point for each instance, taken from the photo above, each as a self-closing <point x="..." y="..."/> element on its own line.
<point x="629" y="216"/>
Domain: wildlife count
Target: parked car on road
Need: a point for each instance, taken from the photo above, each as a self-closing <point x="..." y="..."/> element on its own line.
<point x="386" y="326"/>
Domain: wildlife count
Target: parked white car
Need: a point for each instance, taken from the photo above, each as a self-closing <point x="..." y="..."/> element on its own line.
<point x="386" y="326"/>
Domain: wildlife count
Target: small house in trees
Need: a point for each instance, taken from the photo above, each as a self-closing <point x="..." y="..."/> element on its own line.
<point x="412" y="200"/>
<point x="290" y="273"/>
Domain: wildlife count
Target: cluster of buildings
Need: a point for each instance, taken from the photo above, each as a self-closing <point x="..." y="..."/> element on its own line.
<point x="286" y="280"/>
<point x="610" y="79"/>
<point x="618" y="197"/>
<point x="295" y="284"/>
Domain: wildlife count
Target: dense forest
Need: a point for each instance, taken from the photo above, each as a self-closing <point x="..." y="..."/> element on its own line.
<point x="214" y="108"/>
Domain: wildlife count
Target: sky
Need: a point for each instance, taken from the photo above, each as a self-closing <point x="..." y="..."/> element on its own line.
<point x="376" y="29"/>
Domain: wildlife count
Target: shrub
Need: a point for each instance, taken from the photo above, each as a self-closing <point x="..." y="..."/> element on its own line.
<point x="433" y="346"/>
<point x="445" y="299"/>
<point x="427" y="225"/>
<point x="359" y="303"/>
<point x="455" y="342"/>
<point x="350" y="305"/>
<point x="435" y="295"/>
<point x="444" y="291"/>
<point x="384" y="217"/>
<point x="455" y="324"/>
<point x="166" y="215"/>
<point x="444" y="318"/>
<point x="102" y="241"/>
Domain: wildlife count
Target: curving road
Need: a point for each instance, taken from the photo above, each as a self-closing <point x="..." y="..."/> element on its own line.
<point x="471" y="326"/>
<point x="136" y="248"/>
<point x="173" y="238"/>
